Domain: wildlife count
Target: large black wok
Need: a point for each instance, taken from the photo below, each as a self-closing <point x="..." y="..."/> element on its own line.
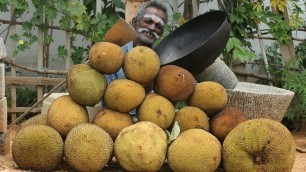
<point x="197" y="43"/>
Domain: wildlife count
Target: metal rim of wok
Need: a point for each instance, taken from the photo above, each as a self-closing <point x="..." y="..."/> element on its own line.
<point x="197" y="43"/>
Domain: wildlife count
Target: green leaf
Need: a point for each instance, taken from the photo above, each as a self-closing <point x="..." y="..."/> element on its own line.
<point x="62" y="52"/>
<point x="48" y="39"/>
<point x="174" y="132"/>
<point x="3" y="5"/>
<point x="241" y="57"/>
<point x="15" y="37"/>
<point x="60" y="5"/>
<point x="180" y="104"/>
<point x="229" y="45"/>
<point x="236" y="41"/>
<point x="76" y="8"/>
<point x="50" y="12"/>
<point x="236" y="54"/>
<point x="64" y="22"/>
<point x="118" y="3"/>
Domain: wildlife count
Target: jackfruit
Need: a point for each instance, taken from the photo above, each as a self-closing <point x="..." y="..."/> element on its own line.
<point x="64" y="114"/>
<point x="209" y="96"/>
<point x="141" y="147"/>
<point x="194" y="150"/>
<point x="189" y="117"/>
<point x="112" y="121"/>
<point x="259" y="145"/>
<point x="174" y="82"/>
<point x="106" y="57"/>
<point x="124" y="95"/>
<point x="76" y="70"/>
<point x="141" y="64"/>
<point x="157" y="109"/>
<point x="38" y="148"/>
<point x="40" y="119"/>
<point x="225" y="121"/>
<point x="88" y="148"/>
<point x="86" y="88"/>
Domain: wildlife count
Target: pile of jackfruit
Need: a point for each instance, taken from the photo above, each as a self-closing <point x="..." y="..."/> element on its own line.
<point x="153" y="117"/>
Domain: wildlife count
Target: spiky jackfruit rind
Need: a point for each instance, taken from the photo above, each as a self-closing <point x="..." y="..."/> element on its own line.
<point x="87" y="88"/>
<point x="88" y="148"/>
<point x="194" y="150"/>
<point x="124" y="95"/>
<point x="141" y="147"/>
<point x="259" y="145"/>
<point x="225" y="121"/>
<point x="209" y="96"/>
<point x="40" y="119"/>
<point x="189" y="117"/>
<point x="106" y="57"/>
<point x="64" y="114"/>
<point x="174" y="82"/>
<point x="141" y="64"/>
<point x="38" y="148"/>
<point x="157" y="109"/>
<point x="112" y="121"/>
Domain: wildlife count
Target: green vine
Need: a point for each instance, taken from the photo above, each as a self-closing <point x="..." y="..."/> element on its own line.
<point x="245" y="17"/>
<point x="79" y="18"/>
<point x="290" y="76"/>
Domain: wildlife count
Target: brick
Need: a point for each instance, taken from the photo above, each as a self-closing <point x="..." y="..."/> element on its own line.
<point x="5" y="142"/>
<point x="3" y="114"/>
<point x="2" y="80"/>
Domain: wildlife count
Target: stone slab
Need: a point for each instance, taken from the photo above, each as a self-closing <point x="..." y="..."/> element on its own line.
<point x="3" y="114"/>
<point x="3" y="52"/>
<point x="5" y="142"/>
<point x="2" y="80"/>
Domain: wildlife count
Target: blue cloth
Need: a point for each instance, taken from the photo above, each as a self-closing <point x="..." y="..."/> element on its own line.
<point x="120" y="74"/>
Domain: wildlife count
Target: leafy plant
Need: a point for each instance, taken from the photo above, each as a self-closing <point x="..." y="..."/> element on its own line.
<point x="79" y="18"/>
<point x="26" y="97"/>
<point x="290" y="76"/>
<point x="245" y="18"/>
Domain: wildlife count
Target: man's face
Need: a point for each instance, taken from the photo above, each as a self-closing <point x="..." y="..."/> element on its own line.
<point x="150" y="27"/>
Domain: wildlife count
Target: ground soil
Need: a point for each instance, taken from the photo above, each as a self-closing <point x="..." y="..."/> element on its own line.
<point x="7" y="163"/>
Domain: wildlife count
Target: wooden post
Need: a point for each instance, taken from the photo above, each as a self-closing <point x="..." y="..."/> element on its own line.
<point x="98" y="6"/>
<point x="67" y="45"/>
<point x="2" y="69"/>
<point x="13" y="68"/>
<point x="131" y="7"/>
<point x="287" y="50"/>
<point x="2" y="80"/>
<point x="195" y="8"/>
<point x="40" y="54"/>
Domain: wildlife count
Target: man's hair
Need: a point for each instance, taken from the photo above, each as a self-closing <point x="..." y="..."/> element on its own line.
<point x="142" y="8"/>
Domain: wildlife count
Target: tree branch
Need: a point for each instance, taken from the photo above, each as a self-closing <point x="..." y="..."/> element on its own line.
<point x="40" y="71"/>
<point x="251" y="74"/>
<point x="51" y="27"/>
<point x="272" y="38"/>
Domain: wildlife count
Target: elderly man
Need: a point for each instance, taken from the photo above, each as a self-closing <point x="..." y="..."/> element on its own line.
<point x="149" y="22"/>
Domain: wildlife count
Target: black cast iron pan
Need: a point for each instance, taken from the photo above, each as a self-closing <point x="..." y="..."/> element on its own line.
<point x="197" y="43"/>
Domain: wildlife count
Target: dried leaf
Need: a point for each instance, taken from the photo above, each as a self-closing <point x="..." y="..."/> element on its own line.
<point x="279" y="4"/>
